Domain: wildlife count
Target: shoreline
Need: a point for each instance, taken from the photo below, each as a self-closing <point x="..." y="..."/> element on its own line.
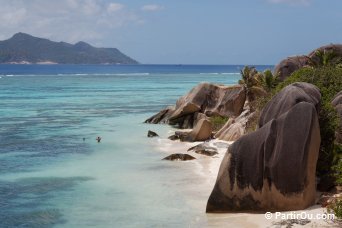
<point x="207" y="170"/>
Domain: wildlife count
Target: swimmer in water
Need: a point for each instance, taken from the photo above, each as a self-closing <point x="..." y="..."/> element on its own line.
<point x="98" y="139"/>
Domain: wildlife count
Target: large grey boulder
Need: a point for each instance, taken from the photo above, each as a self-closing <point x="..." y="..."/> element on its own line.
<point x="205" y="98"/>
<point x="287" y="98"/>
<point x="273" y="168"/>
<point x="334" y="50"/>
<point x="289" y="65"/>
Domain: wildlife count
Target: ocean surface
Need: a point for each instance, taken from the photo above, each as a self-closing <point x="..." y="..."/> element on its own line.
<point x="51" y="177"/>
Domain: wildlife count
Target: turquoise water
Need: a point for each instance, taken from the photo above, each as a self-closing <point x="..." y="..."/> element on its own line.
<point x="50" y="177"/>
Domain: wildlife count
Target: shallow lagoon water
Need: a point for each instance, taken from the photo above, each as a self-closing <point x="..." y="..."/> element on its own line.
<point x="50" y="177"/>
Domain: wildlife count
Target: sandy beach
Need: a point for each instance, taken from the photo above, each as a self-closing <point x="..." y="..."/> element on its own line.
<point x="205" y="169"/>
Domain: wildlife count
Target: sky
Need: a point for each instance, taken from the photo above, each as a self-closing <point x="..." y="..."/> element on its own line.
<point x="182" y="31"/>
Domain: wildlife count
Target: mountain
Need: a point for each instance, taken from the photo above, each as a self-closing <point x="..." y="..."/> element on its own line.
<point x="24" y="48"/>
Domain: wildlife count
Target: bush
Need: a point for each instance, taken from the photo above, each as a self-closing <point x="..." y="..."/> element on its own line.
<point x="336" y="208"/>
<point x="218" y="122"/>
<point x="329" y="81"/>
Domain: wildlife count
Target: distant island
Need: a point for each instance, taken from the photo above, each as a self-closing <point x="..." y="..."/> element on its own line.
<point x="23" y="48"/>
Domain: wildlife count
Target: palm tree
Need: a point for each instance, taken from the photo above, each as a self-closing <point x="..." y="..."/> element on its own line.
<point x="251" y="81"/>
<point x="268" y="81"/>
<point x="324" y="58"/>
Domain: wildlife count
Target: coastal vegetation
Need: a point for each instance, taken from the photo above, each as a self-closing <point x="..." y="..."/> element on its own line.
<point x="290" y="113"/>
<point x="328" y="80"/>
<point x="326" y="74"/>
<point x="218" y="122"/>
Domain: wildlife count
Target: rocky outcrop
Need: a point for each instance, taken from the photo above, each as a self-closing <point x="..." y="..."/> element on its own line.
<point x="289" y="65"/>
<point x="161" y="117"/>
<point x="204" y="149"/>
<point x="202" y="131"/>
<point x="273" y="168"/>
<point x="335" y="51"/>
<point x="337" y="103"/>
<point x="205" y="98"/>
<point x="287" y="98"/>
<point x="151" y="134"/>
<point x="235" y="127"/>
<point x="180" y="135"/>
<point x="179" y="157"/>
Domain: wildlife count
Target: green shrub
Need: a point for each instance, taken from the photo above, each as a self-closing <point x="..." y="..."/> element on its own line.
<point x="336" y="208"/>
<point x="329" y="81"/>
<point x="218" y="122"/>
<point x="338" y="168"/>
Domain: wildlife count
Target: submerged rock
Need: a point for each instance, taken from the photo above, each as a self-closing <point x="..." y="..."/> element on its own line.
<point x="205" y="98"/>
<point x="180" y="135"/>
<point x="161" y="117"/>
<point x="204" y="149"/>
<point x="179" y="157"/>
<point x="151" y="134"/>
<point x="273" y="168"/>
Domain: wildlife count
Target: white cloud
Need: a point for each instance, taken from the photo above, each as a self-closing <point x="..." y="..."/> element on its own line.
<point x="90" y="7"/>
<point x="152" y="7"/>
<point x="65" y="20"/>
<point x="291" y="2"/>
<point x="114" y="7"/>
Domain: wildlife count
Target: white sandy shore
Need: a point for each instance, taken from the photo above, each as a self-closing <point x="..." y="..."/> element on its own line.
<point x="206" y="168"/>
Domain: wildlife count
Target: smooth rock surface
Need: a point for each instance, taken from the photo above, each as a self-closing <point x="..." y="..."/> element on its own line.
<point x="180" y="135"/>
<point x="206" y="98"/>
<point x="179" y="157"/>
<point x="161" y="117"/>
<point x="336" y="49"/>
<point x="287" y="98"/>
<point x="204" y="149"/>
<point x="273" y="168"/>
<point x="235" y="127"/>
<point x="151" y="134"/>
<point x="289" y="65"/>
<point x="201" y="132"/>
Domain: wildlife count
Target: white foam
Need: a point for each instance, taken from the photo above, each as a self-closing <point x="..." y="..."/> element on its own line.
<point x="230" y="73"/>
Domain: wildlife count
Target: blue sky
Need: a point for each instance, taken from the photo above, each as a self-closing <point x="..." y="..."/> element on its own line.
<point x="183" y="31"/>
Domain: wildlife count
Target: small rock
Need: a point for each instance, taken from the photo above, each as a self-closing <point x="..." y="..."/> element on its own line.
<point x="181" y="135"/>
<point x="204" y="149"/>
<point x="179" y="157"/>
<point x="151" y="134"/>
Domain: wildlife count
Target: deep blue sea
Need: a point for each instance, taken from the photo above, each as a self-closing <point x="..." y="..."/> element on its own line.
<point x="51" y="177"/>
